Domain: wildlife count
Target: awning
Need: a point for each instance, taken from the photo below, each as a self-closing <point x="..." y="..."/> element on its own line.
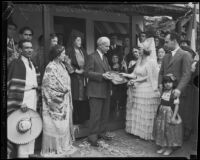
<point x="113" y="27"/>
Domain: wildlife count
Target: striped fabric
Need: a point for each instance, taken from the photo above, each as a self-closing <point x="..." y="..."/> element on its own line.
<point x="16" y="79"/>
<point x="16" y="84"/>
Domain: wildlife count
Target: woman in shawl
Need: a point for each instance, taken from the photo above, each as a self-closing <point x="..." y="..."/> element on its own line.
<point x="143" y="97"/>
<point x="57" y="107"/>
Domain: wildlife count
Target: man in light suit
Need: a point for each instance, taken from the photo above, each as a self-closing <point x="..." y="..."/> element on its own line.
<point x="178" y="62"/>
<point x="98" y="91"/>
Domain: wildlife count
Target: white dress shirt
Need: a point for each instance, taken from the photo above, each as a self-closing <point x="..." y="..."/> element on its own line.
<point x="174" y="51"/>
<point x="30" y="95"/>
<point x="101" y="54"/>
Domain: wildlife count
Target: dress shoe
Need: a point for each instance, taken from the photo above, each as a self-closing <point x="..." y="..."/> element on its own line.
<point x="94" y="144"/>
<point x="105" y="137"/>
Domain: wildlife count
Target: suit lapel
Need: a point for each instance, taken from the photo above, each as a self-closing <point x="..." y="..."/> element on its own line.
<point x="100" y="61"/>
<point x="174" y="58"/>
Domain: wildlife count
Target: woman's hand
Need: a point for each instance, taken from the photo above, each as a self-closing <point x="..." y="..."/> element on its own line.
<point x="123" y="74"/>
<point x="131" y="82"/>
<point x="79" y="71"/>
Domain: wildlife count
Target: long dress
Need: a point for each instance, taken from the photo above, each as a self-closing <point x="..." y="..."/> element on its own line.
<point x="143" y="100"/>
<point x="57" y="112"/>
<point x="165" y="133"/>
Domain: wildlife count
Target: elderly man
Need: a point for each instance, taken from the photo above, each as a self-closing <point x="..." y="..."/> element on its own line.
<point x="179" y="64"/>
<point x="98" y="91"/>
<point x="23" y="78"/>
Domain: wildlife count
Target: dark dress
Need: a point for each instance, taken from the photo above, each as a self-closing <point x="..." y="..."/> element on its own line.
<point x="81" y="110"/>
<point x="165" y="133"/>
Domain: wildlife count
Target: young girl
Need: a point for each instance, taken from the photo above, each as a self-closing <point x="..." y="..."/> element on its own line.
<point x="168" y="124"/>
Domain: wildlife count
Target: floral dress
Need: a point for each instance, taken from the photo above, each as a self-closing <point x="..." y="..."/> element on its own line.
<point x="167" y="134"/>
<point x="57" y="111"/>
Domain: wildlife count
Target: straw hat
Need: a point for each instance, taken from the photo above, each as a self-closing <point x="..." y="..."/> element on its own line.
<point x="23" y="127"/>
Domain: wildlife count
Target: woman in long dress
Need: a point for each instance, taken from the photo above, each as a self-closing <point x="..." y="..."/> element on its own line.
<point x="143" y="97"/>
<point x="58" y="132"/>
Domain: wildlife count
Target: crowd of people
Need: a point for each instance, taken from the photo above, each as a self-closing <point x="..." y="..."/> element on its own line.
<point x="72" y="87"/>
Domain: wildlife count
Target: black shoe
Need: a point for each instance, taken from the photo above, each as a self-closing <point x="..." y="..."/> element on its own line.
<point x="105" y="137"/>
<point x="94" y="144"/>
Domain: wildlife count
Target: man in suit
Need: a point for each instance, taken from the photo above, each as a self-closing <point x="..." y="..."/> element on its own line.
<point x="114" y="49"/>
<point x="178" y="62"/>
<point x="98" y="91"/>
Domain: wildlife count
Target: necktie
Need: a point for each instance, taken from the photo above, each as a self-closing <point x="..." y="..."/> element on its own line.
<point x="29" y="62"/>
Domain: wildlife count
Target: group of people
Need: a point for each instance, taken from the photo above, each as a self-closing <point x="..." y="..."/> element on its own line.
<point x="72" y="87"/>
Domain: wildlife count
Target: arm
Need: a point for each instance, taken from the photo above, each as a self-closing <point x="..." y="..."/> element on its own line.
<point x="176" y="102"/>
<point x="186" y="72"/>
<point x="90" y="70"/>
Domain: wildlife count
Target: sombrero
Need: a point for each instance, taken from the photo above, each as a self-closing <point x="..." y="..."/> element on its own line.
<point x="23" y="127"/>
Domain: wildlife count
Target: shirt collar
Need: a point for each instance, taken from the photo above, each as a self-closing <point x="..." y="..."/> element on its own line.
<point x="100" y="53"/>
<point x="24" y="58"/>
<point x="174" y="51"/>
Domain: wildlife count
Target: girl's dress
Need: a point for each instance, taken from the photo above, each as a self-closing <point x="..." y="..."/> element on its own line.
<point x="165" y="133"/>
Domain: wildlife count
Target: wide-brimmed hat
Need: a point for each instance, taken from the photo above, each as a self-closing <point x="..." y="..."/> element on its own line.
<point x="23" y="127"/>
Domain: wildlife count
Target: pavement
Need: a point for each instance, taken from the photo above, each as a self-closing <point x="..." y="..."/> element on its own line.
<point x="127" y="145"/>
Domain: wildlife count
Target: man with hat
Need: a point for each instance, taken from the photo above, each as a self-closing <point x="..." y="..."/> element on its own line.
<point x="22" y="87"/>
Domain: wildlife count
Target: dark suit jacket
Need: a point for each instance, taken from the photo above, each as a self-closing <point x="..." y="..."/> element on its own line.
<point x="76" y="78"/>
<point x="118" y="51"/>
<point x="179" y="65"/>
<point x="97" y="86"/>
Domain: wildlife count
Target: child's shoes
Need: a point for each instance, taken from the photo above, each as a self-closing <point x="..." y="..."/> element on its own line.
<point x="160" y="150"/>
<point x="167" y="152"/>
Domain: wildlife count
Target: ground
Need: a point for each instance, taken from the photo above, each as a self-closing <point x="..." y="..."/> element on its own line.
<point x="127" y="145"/>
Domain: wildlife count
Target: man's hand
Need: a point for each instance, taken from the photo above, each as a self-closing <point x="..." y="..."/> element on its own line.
<point x="24" y="107"/>
<point x="131" y="82"/>
<point x="107" y="76"/>
<point x="176" y="93"/>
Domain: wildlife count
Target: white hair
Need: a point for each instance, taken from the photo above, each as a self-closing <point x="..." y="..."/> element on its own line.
<point x="102" y="40"/>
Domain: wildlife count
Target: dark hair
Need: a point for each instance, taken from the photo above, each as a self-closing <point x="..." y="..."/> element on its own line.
<point x="186" y="41"/>
<point x="56" y="51"/>
<point x="21" y="31"/>
<point x="21" y="42"/>
<point x="146" y="52"/>
<point x="11" y="23"/>
<point x="53" y="35"/>
<point x="174" y="36"/>
<point x="142" y="33"/>
<point x="136" y="47"/>
<point x="74" y="34"/>
<point x="169" y="78"/>
<point x="40" y="40"/>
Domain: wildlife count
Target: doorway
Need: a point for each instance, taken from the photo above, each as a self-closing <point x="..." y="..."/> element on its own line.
<point x="63" y="27"/>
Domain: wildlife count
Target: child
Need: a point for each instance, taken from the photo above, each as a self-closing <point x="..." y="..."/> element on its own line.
<point x="168" y="124"/>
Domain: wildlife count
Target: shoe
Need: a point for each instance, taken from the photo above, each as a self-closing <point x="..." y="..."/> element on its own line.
<point x="167" y="152"/>
<point x="160" y="150"/>
<point x="94" y="144"/>
<point x="105" y="137"/>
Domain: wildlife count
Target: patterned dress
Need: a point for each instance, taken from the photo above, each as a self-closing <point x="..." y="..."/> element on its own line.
<point x="142" y="102"/>
<point x="167" y="134"/>
<point x="57" y="111"/>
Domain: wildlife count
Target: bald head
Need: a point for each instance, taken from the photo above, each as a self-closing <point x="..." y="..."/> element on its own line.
<point x="103" y="44"/>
